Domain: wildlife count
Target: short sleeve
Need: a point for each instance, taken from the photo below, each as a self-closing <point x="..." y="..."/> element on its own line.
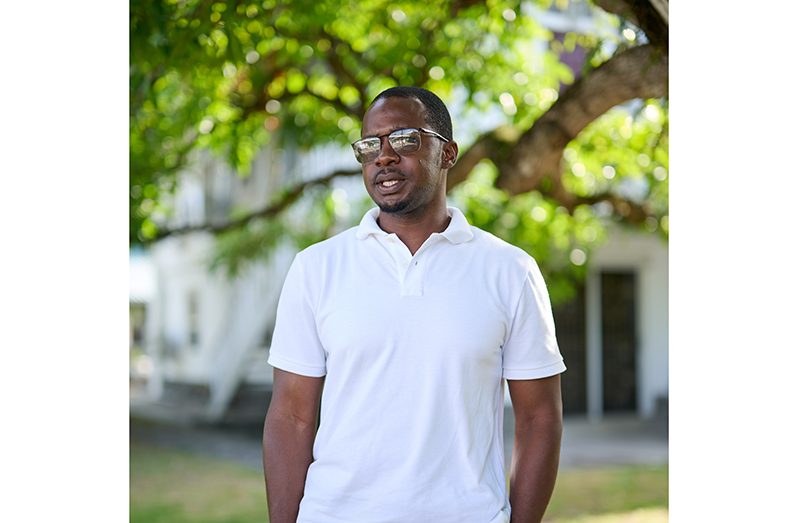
<point x="295" y="343"/>
<point x="530" y="350"/>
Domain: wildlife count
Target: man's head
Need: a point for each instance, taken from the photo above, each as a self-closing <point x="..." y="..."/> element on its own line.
<point x="405" y="172"/>
<point x="436" y="116"/>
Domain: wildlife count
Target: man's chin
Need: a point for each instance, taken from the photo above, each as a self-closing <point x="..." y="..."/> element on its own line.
<point x="393" y="208"/>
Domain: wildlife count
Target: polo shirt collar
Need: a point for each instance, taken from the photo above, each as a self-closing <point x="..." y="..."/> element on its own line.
<point x="458" y="231"/>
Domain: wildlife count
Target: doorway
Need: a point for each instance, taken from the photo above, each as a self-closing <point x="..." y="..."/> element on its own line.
<point x="619" y="341"/>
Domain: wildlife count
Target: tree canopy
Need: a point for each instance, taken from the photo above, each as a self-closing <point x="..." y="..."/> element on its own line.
<point x="573" y="149"/>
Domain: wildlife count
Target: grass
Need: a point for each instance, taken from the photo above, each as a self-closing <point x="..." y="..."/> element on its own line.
<point x="610" y="495"/>
<point x="170" y="486"/>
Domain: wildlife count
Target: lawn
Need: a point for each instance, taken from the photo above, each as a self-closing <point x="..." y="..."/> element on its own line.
<point x="169" y="486"/>
<point x="610" y="495"/>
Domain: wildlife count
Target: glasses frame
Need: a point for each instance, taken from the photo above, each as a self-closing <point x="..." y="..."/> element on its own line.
<point x="359" y="157"/>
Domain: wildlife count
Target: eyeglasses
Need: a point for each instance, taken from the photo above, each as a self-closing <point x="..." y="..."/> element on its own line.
<point x="403" y="141"/>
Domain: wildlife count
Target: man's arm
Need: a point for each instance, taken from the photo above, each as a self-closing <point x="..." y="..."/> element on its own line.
<point x="537" y="405"/>
<point x="288" y="435"/>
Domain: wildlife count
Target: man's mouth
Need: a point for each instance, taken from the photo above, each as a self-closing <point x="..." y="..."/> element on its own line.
<point x="389" y="185"/>
<point x="388" y="182"/>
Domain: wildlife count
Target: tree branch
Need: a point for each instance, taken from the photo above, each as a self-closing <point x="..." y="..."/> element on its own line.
<point x="639" y="72"/>
<point x="651" y="16"/>
<point x="284" y="201"/>
<point x="629" y="210"/>
<point x="493" y="145"/>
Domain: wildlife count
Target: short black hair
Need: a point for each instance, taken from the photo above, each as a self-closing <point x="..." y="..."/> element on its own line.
<point x="437" y="115"/>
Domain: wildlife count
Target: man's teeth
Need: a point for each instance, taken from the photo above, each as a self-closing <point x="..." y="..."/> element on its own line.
<point x="390" y="183"/>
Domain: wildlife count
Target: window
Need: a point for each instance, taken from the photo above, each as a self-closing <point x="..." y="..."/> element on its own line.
<point x="193" y="319"/>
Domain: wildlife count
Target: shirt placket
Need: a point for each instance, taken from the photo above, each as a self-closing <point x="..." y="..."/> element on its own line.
<point x="409" y="268"/>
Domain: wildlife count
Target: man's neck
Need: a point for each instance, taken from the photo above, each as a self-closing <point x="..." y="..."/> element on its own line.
<point x="414" y="230"/>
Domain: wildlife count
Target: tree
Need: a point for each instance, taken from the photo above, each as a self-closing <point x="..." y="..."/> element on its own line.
<point x="233" y="76"/>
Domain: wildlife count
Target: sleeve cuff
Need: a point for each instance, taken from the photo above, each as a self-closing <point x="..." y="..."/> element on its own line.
<point x="297" y="368"/>
<point x="531" y="374"/>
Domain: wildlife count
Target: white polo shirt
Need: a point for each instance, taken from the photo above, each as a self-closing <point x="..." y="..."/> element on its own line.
<point x="414" y="349"/>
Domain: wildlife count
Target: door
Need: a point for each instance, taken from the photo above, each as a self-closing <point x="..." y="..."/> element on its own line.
<point x="619" y="341"/>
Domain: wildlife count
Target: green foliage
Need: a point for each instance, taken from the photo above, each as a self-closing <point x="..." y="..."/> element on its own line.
<point x="321" y="214"/>
<point x="559" y="241"/>
<point x="237" y="247"/>
<point x="233" y="77"/>
<point x="624" y="153"/>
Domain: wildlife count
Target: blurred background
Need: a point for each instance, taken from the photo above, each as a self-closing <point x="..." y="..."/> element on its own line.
<point x="240" y="118"/>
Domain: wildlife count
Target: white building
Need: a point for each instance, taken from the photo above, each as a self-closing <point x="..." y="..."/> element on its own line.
<point x="206" y="336"/>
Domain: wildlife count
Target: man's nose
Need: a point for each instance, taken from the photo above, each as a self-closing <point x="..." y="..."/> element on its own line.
<point x="387" y="154"/>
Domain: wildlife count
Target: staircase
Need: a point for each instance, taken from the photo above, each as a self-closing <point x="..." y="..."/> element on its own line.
<point x="251" y="312"/>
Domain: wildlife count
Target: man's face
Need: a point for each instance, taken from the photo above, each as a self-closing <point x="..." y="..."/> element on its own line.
<point x="402" y="184"/>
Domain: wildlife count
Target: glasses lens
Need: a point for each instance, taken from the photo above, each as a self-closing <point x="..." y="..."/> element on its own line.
<point x="405" y="140"/>
<point x="366" y="149"/>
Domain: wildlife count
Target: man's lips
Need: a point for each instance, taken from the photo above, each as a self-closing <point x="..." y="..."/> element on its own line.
<point x="384" y="176"/>
<point x="388" y="182"/>
<point x="390" y="187"/>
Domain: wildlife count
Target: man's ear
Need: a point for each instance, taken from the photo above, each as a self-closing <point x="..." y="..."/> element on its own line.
<point x="449" y="154"/>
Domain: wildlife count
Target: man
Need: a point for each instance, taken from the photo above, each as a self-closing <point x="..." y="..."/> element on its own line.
<point x="403" y="330"/>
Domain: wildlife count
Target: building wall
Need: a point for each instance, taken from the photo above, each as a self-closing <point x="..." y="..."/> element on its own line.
<point x="182" y="272"/>
<point x="647" y="256"/>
